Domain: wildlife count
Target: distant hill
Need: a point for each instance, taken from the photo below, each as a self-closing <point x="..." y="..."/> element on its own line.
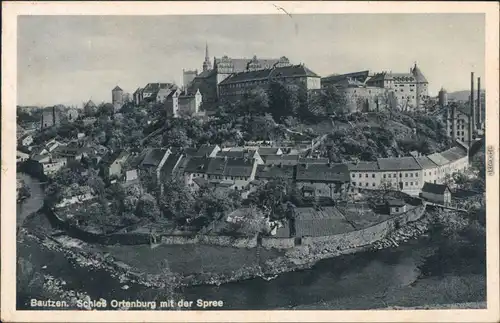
<point x="461" y="95"/>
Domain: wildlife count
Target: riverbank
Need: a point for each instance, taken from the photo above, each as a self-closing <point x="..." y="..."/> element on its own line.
<point x="213" y="265"/>
<point x="374" y="279"/>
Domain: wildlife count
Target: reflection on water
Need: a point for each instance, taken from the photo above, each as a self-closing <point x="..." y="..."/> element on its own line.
<point x="32" y="203"/>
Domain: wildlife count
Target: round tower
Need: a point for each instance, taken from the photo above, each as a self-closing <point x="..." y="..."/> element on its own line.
<point x="443" y="98"/>
<point x="117" y="97"/>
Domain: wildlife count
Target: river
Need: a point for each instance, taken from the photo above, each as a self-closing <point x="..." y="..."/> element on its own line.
<point x="32" y="203"/>
<point x="431" y="270"/>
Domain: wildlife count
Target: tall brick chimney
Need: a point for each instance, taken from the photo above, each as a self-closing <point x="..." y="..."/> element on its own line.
<point x="479" y="120"/>
<point x="454" y="122"/>
<point x="472" y="102"/>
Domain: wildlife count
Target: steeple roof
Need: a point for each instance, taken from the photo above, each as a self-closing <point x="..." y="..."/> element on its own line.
<point x="419" y="76"/>
<point x="117" y="88"/>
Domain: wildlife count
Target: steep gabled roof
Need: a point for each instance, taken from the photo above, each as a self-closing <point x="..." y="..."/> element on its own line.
<point x="117" y="88"/>
<point x="434" y="188"/>
<point x="419" y="76"/>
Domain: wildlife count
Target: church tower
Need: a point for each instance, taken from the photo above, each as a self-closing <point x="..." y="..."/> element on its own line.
<point x="206" y="64"/>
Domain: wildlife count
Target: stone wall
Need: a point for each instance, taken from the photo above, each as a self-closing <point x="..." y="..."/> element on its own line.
<point x="340" y="241"/>
<point x="277" y="243"/>
<point x="225" y="241"/>
<point x="368" y="235"/>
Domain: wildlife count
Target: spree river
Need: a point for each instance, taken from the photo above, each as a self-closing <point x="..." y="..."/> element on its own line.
<point x="431" y="270"/>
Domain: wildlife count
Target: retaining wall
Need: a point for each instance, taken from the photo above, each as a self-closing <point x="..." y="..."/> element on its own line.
<point x="340" y="241"/>
<point x="277" y="243"/>
<point x="225" y="241"/>
<point x="368" y="235"/>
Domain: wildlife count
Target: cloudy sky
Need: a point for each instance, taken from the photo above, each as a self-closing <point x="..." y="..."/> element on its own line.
<point x="70" y="59"/>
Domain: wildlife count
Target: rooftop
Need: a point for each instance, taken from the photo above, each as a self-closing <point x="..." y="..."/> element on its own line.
<point x="264" y="171"/>
<point x="197" y="165"/>
<point x="363" y="166"/>
<point x="434" y="188"/>
<point x="278" y="72"/>
<point x="323" y="173"/>
<point x="154" y="156"/>
<point x="401" y="163"/>
<point x="320" y="222"/>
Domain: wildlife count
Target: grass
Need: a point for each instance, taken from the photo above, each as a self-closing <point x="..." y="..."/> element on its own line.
<point x="189" y="259"/>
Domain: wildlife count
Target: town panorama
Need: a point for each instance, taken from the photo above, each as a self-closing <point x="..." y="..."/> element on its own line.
<point x="255" y="183"/>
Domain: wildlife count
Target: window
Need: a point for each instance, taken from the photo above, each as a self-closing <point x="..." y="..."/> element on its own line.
<point x="411" y="174"/>
<point x="359" y="175"/>
<point x="384" y="176"/>
<point x="406" y="175"/>
<point x="397" y="209"/>
<point x="353" y="183"/>
<point x="353" y="175"/>
<point x="400" y="175"/>
<point x="366" y="175"/>
<point x="411" y="183"/>
<point x="366" y="184"/>
<point x="416" y="174"/>
<point x="425" y="174"/>
<point x="373" y="175"/>
<point x="373" y="184"/>
<point x="394" y="175"/>
<point x="406" y="183"/>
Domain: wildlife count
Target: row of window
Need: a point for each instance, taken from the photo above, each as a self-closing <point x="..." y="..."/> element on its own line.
<point x="387" y="175"/>
<point x="235" y="178"/>
<point x="373" y="184"/>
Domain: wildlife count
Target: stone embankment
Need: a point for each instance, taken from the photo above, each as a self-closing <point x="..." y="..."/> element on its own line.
<point x="303" y="257"/>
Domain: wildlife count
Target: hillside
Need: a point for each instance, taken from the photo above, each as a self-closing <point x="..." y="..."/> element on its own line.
<point x="461" y="95"/>
<point x="374" y="135"/>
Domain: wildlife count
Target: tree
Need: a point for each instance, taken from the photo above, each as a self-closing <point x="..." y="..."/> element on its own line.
<point x="53" y="194"/>
<point x="286" y="100"/>
<point x="253" y="102"/>
<point x="147" y="208"/>
<point x="212" y="205"/>
<point x="176" y="137"/>
<point x="177" y="201"/>
<point x="95" y="182"/>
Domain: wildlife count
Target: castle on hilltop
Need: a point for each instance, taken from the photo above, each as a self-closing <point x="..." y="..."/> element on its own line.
<point x="367" y="92"/>
<point x="213" y="81"/>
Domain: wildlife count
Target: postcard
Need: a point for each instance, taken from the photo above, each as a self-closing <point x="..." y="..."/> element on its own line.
<point x="250" y="161"/>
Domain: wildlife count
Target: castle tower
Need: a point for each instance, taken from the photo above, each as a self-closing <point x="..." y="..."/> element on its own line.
<point x="188" y="76"/>
<point x="206" y="64"/>
<point x="420" y="85"/>
<point x="443" y="98"/>
<point x="117" y="97"/>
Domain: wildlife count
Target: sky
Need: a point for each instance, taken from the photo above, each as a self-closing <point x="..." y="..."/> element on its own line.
<point x="71" y="59"/>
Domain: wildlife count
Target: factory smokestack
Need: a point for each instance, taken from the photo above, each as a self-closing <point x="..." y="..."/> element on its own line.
<point x="479" y="105"/>
<point x="453" y="123"/>
<point x="472" y="101"/>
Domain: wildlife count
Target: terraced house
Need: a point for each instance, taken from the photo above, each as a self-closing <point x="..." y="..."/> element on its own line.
<point x="408" y="174"/>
